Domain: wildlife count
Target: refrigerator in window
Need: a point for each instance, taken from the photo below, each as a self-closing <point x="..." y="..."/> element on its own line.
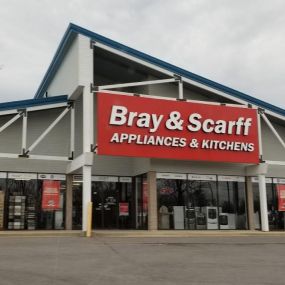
<point x="211" y="214"/>
<point x="178" y="217"/>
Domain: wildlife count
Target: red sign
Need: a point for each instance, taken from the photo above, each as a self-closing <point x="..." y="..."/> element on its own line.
<point x="162" y="128"/>
<point x="281" y="197"/>
<point x="166" y="191"/>
<point x="124" y="209"/>
<point x="51" y="195"/>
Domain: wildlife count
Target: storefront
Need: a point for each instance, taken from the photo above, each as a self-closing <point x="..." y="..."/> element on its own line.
<point x="201" y="202"/>
<point x="31" y="201"/>
<point x="118" y="202"/>
<point x="274" y="199"/>
<point x="152" y="146"/>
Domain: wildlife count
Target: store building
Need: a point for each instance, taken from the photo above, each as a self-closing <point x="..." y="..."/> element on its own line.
<point x="152" y="146"/>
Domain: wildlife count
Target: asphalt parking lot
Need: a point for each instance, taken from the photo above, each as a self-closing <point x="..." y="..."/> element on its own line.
<point x="196" y="260"/>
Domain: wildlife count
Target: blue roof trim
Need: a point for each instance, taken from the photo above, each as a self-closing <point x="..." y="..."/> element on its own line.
<point x="73" y="30"/>
<point x="23" y="104"/>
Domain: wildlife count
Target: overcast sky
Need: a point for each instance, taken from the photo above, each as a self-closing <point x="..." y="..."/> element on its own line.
<point x="240" y="44"/>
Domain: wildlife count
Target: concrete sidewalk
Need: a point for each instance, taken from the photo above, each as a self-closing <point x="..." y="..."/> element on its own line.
<point x="139" y="233"/>
<point x="183" y="233"/>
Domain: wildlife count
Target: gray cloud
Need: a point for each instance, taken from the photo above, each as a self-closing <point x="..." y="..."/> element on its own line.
<point x="237" y="43"/>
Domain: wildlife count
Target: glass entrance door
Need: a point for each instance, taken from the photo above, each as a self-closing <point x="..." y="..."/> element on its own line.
<point x="113" y="203"/>
<point x="105" y="196"/>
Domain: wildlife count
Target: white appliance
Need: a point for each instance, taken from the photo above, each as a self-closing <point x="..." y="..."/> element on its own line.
<point x="257" y="221"/>
<point x="232" y="221"/>
<point x="58" y="223"/>
<point x="227" y="221"/>
<point x="211" y="217"/>
<point x="224" y="221"/>
<point x="178" y="217"/>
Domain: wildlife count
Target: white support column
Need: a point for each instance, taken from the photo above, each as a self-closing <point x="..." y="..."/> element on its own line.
<point x="180" y="89"/>
<point x="86" y="198"/>
<point x="263" y="203"/>
<point x="87" y="142"/>
<point x="85" y="78"/>
<point x="24" y="132"/>
<point x="261" y="170"/>
<point x="259" y="135"/>
<point x="72" y="132"/>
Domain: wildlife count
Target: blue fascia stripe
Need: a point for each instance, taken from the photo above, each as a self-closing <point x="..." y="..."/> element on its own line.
<point x="73" y="30"/>
<point x="32" y="103"/>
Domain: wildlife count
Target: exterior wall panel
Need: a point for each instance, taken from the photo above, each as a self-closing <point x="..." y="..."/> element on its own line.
<point x="112" y="165"/>
<point x="66" y="78"/>
<point x="272" y="149"/>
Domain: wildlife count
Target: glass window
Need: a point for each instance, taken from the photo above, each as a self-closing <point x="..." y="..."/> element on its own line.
<point x="77" y="202"/>
<point x="126" y="206"/>
<point x="2" y="198"/>
<point x="24" y="201"/>
<point x="186" y="204"/>
<point x="113" y="202"/>
<point x="141" y="202"/>
<point x="203" y="202"/>
<point x="105" y="196"/>
<point x="232" y="204"/>
<point x="172" y="196"/>
<point x="276" y="214"/>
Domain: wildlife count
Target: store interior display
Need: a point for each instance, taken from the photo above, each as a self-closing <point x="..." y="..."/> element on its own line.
<point x="202" y="204"/>
<point x="17" y="212"/>
<point x="31" y="213"/>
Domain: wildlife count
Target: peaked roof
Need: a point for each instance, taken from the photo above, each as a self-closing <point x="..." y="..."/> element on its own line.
<point x="73" y="30"/>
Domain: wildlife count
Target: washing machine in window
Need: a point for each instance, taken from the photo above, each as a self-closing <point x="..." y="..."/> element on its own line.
<point x="224" y="221"/>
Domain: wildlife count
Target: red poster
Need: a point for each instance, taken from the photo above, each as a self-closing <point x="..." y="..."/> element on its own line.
<point x="124" y="209"/>
<point x="51" y="195"/>
<point x="163" y="128"/>
<point x="281" y="197"/>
